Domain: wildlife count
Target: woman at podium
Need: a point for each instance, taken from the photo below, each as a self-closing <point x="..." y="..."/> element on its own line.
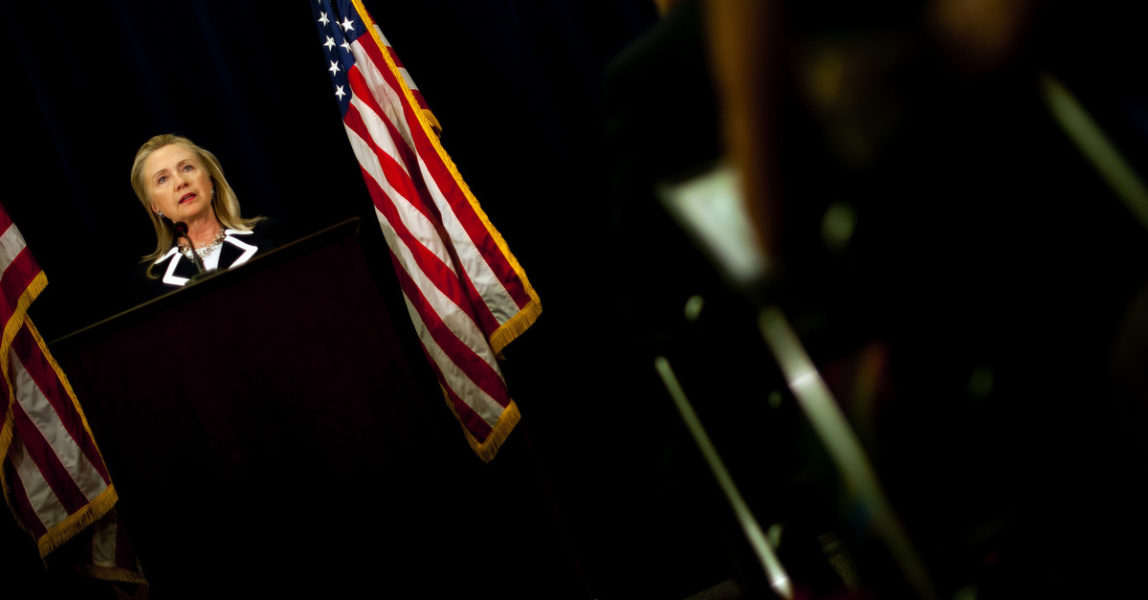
<point x="194" y="211"/>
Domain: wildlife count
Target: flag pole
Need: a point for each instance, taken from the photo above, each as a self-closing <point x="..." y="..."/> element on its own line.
<point x="774" y="571"/>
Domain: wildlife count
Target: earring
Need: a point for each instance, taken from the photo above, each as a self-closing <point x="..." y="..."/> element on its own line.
<point x="159" y="212"/>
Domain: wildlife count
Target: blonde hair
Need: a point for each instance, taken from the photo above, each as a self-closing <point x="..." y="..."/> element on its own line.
<point x="224" y="203"/>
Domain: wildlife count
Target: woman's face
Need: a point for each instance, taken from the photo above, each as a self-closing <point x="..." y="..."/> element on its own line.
<point x="177" y="184"/>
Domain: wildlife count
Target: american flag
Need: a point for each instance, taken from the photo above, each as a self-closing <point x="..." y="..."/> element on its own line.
<point x="53" y="476"/>
<point x="465" y="292"/>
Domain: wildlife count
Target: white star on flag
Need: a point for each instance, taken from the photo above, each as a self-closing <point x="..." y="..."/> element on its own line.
<point x="348" y="24"/>
<point x="339" y="92"/>
<point x="334" y="68"/>
<point x="323" y="19"/>
<point x="330" y="43"/>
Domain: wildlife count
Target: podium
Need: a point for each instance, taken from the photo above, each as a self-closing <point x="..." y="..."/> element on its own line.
<point x="261" y="423"/>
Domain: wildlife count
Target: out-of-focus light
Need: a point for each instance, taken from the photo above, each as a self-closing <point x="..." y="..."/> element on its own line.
<point x="694" y="307"/>
<point x="1090" y="138"/>
<point x="969" y="592"/>
<point x="711" y="208"/>
<point x="774" y="572"/>
<point x="981" y="383"/>
<point x="774" y="535"/>
<point x="828" y="421"/>
<point x="802" y="378"/>
<point x="837" y="225"/>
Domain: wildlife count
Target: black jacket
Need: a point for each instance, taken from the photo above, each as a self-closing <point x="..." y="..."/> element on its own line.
<point x="174" y="269"/>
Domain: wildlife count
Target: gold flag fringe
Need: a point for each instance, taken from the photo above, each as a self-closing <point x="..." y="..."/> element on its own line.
<point x="433" y="121"/>
<point x="77" y="521"/>
<point x="506" y="422"/>
<point x="114" y="574"/>
<point x="515" y="326"/>
<point x="67" y="386"/>
<point x="19" y="315"/>
<point x="487" y="450"/>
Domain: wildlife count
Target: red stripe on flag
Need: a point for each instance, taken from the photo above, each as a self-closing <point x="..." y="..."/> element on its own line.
<point x="426" y="261"/>
<point x="474" y="424"/>
<point x="445" y="279"/>
<point x="20" y="499"/>
<point x="36" y="363"/>
<point x="478" y="428"/>
<point x="5" y="221"/>
<point x="394" y="57"/>
<point x="476" y="230"/>
<point x="470" y="221"/>
<point x="487" y="322"/>
<point x="470" y="420"/>
<point x="40" y="451"/>
<point x="469" y="363"/>
<point x="15" y="279"/>
<point x="419" y="98"/>
<point x="406" y="156"/>
<point x="402" y="180"/>
<point x="438" y="272"/>
<point x="414" y="89"/>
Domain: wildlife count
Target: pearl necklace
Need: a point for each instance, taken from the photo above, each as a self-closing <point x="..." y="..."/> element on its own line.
<point x="208" y="247"/>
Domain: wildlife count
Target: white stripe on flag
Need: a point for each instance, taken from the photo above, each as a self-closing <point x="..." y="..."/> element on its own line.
<point x="452" y="376"/>
<point x="377" y="130"/>
<point x="386" y="97"/>
<point x="402" y="70"/>
<point x="457" y="320"/>
<point x="104" y="542"/>
<point x="386" y="42"/>
<point x="407" y="78"/>
<point x="415" y="221"/>
<point x="44" y="502"/>
<point x="43" y="415"/>
<point x="490" y="287"/>
<point x="11" y="243"/>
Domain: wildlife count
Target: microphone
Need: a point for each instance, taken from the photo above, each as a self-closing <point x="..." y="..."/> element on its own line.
<point x="181" y="232"/>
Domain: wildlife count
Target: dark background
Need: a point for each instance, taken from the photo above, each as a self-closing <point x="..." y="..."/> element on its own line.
<point x="984" y="241"/>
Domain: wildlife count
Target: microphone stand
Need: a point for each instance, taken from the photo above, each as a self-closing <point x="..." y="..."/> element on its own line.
<point x="181" y="232"/>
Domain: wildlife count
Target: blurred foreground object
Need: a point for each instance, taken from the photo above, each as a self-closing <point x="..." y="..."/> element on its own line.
<point x="746" y="42"/>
